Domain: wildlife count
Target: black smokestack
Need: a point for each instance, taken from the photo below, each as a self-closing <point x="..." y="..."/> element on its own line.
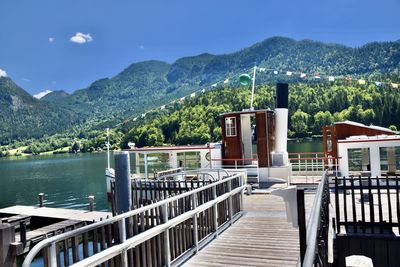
<point x="282" y="95"/>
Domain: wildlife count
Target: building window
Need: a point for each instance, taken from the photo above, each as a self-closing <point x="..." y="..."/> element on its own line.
<point x="390" y="159"/>
<point x="230" y="126"/>
<point x="358" y="160"/>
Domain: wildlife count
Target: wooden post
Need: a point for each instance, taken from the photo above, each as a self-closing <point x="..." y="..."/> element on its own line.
<point x="7" y="237"/>
<point x="301" y="216"/>
<point x="122" y="182"/>
<point x="41" y="199"/>
<point x="91" y="203"/>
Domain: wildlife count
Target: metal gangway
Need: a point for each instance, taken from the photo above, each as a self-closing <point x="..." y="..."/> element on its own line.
<point x="164" y="233"/>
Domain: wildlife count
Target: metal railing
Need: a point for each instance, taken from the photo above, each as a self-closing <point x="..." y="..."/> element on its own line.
<point x="164" y="233"/>
<point x="240" y="164"/>
<point x="310" y="165"/>
<point x="318" y="226"/>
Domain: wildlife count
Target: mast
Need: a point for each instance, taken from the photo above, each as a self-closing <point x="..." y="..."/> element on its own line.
<point x="108" y="148"/>
<point x="252" y="89"/>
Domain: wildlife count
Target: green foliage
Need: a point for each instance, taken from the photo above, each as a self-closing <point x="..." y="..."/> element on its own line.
<point x="300" y="122"/>
<point x="311" y="106"/>
<point x="83" y="115"/>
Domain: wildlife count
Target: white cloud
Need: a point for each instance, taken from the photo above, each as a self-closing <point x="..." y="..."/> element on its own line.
<point x="141" y="47"/>
<point x="42" y="94"/>
<point x="81" y="38"/>
<point x="51" y="39"/>
<point x="26" y="80"/>
<point x="3" y="73"/>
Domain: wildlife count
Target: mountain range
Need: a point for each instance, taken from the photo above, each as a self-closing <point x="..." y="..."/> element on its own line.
<point x="148" y="84"/>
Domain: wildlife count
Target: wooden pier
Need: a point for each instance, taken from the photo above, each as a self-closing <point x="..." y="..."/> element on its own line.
<point x="262" y="237"/>
<point x="21" y="227"/>
<point x="55" y="213"/>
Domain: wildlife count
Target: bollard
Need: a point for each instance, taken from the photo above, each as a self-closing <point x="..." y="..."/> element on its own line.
<point x="91" y="203"/>
<point x="122" y="182"/>
<point x="41" y="199"/>
<point x="248" y="190"/>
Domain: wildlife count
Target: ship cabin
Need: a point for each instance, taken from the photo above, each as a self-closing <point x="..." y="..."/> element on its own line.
<point x="362" y="150"/>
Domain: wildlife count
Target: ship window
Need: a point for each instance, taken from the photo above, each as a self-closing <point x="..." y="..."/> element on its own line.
<point x="390" y="159"/>
<point x="230" y="126"/>
<point x="358" y="160"/>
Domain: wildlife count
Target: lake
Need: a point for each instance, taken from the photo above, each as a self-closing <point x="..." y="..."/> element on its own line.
<point x="68" y="179"/>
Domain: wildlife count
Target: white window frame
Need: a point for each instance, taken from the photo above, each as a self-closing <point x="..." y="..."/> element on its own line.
<point x="230" y="128"/>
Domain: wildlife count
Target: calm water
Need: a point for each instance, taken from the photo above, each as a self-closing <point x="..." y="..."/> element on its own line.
<point x="68" y="179"/>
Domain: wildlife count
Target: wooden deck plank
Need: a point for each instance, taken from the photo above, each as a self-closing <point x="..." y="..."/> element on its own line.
<point x="262" y="237"/>
<point x="57" y="213"/>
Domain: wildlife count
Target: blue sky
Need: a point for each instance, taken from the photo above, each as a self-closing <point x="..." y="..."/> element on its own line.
<point x="68" y="44"/>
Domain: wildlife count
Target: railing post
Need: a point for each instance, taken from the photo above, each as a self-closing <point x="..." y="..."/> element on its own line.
<point x="302" y="224"/>
<point x="215" y="209"/>
<point x="195" y="231"/>
<point x="167" y="256"/>
<point x="299" y="163"/>
<point x="122" y="238"/>
<point x="230" y="202"/>
<point x="52" y="255"/>
<point x="241" y="194"/>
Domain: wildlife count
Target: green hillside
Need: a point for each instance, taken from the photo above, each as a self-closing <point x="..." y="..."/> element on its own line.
<point x="145" y="85"/>
<point x="196" y="121"/>
<point x="24" y="116"/>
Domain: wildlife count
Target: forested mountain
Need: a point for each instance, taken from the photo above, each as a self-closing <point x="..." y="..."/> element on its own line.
<point x="22" y="115"/>
<point x="148" y="84"/>
<point x="311" y="106"/>
<point x="54" y="96"/>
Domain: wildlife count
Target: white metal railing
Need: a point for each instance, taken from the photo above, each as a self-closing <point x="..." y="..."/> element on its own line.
<point x="215" y="174"/>
<point x="122" y="219"/>
<point x="242" y="163"/>
<point x="310" y="165"/>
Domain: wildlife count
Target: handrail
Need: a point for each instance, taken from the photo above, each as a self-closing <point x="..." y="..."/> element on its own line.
<point x="235" y="159"/>
<point x="46" y="242"/>
<point x="132" y="242"/>
<point x="313" y="224"/>
<point x="319" y="158"/>
<point x="205" y="171"/>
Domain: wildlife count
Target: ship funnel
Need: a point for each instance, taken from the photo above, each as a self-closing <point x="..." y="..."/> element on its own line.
<point x="280" y="155"/>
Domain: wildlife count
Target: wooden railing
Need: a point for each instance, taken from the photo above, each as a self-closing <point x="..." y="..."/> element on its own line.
<point x="164" y="233"/>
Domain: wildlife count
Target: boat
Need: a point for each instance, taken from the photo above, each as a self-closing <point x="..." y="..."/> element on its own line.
<point x="265" y="130"/>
